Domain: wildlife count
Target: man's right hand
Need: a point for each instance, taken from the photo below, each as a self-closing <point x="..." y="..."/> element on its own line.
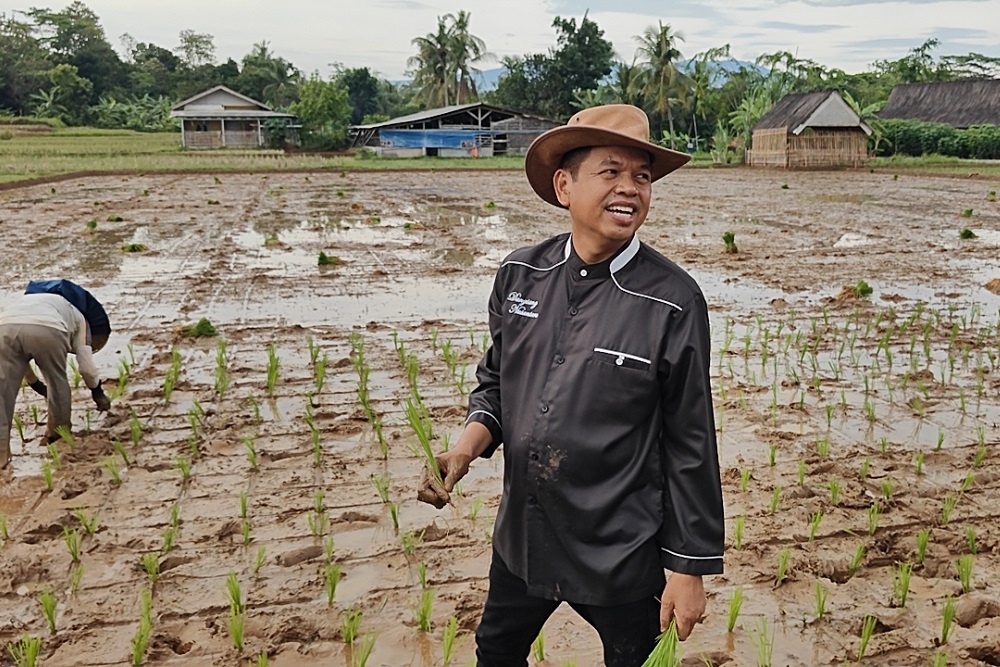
<point x="453" y="466"/>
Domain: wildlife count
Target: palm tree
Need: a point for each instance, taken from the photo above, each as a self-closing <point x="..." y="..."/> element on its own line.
<point x="432" y="66"/>
<point x="629" y="82"/>
<point x="703" y="77"/>
<point x="466" y="49"/>
<point x="665" y="83"/>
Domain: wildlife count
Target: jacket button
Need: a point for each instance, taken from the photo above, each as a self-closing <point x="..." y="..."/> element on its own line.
<point x="545" y="408"/>
<point x="560" y="359"/>
<point x="534" y="457"/>
<point x="573" y="311"/>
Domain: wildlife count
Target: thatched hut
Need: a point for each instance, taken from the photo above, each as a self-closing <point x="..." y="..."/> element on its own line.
<point x="810" y="130"/>
<point x="960" y="104"/>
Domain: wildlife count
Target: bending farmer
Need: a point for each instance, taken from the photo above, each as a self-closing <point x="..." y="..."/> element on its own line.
<point x="52" y="319"/>
<point x="597" y="385"/>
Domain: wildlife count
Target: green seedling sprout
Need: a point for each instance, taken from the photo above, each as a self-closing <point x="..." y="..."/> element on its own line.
<point x="970" y="539"/>
<point x="775" y="498"/>
<point x="886" y="488"/>
<point x="244" y="504"/>
<point x="77" y="376"/>
<point x="834" y="491"/>
<point x="328" y="550"/>
<point x="360" y="658"/>
<point x="66" y="433"/>
<point x="422" y="574"/>
<point x="169" y="536"/>
<point x="963" y="567"/>
<point x="865" y="466"/>
<point x="772" y="455"/>
<point x="54" y="455"/>
<point x="991" y="196"/>
<point x="331" y="577"/>
<point x="319" y="523"/>
<point x="821" y="595"/>
<point x="135" y="428"/>
<point x="140" y="640"/>
<point x="319" y="372"/>
<point x="273" y="363"/>
<point x="874" y="512"/>
<point x="923" y="537"/>
<point x="735" y="603"/>
<point x="729" y="240"/>
<point x="4" y="535"/>
<point x="88" y="523"/>
<point x="47" y="475"/>
<point x="92" y="224"/>
<point x="259" y="560"/>
<point x="25" y="651"/>
<point x="411" y="540"/>
<point x="448" y="636"/>
<point x="901" y="584"/>
<point x="423" y="614"/>
<point x="861" y="289"/>
<point x="381" y="485"/>
<point x="667" y="651"/>
<point x="947" y="619"/>
<point x="120" y="450"/>
<point x="867" y="630"/>
<point x="475" y="507"/>
<point x="421" y="429"/>
<point x="814" y="522"/>
<point x="948" y="508"/>
<point x="222" y="378"/>
<point x="744" y="479"/>
<point x="151" y="564"/>
<point x="72" y="540"/>
<point x="762" y="642"/>
<point x="262" y="660"/>
<point x="183" y="465"/>
<point x="318" y="496"/>
<point x="202" y="329"/>
<point x="394" y="514"/>
<point x="328" y="260"/>
<point x="980" y="457"/>
<point x="236" y="602"/>
<point x="19" y="425"/>
<point x="236" y="624"/>
<point x="738" y="525"/>
<point x="252" y="457"/>
<point x="350" y="625"/>
<point x="784" y="556"/>
<point x="967" y="212"/>
<point x="245" y="531"/>
<point x="802" y="473"/>
<point x="920" y="463"/>
<point x="48" y="603"/>
<point x="859" y="556"/>
<point x="75" y="578"/>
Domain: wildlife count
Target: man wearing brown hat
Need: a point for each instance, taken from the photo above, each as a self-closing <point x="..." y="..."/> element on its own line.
<point x="597" y="385"/>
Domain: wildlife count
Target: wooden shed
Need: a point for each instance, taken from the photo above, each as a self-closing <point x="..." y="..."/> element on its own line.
<point x="807" y="130"/>
<point x="223" y="118"/>
<point x="960" y="104"/>
<point x="465" y="130"/>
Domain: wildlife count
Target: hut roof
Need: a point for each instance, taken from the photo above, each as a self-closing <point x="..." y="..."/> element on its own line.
<point x="798" y="111"/>
<point x="958" y="103"/>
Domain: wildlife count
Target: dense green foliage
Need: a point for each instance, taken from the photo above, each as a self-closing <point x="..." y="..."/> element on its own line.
<point x="60" y="67"/>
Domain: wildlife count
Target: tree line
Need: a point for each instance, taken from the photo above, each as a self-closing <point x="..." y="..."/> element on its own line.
<point x="60" y="65"/>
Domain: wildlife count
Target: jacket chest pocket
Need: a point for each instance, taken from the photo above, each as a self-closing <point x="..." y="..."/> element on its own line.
<point x="622" y="359"/>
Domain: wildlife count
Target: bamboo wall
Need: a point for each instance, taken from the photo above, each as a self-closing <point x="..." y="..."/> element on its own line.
<point x="817" y="148"/>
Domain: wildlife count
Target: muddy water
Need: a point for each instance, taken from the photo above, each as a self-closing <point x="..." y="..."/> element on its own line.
<point x="826" y="407"/>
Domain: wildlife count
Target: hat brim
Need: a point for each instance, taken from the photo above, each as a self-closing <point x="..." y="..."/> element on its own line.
<point x="546" y="152"/>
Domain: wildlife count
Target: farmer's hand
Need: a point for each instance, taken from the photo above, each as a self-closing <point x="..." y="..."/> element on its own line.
<point x="39" y="388"/>
<point x="101" y="399"/>
<point x="683" y="601"/>
<point x="453" y="465"/>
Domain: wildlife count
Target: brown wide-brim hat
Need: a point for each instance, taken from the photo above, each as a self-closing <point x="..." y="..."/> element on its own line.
<point x="608" y="125"/>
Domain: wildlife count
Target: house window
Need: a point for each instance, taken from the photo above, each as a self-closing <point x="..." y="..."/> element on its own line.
<point x="201" y="126"/>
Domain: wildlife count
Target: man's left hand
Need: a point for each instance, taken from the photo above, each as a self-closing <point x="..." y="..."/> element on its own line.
<point x="683" y="601"/>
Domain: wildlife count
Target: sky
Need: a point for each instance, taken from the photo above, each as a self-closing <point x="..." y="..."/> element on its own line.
<point x="315" y="34"/>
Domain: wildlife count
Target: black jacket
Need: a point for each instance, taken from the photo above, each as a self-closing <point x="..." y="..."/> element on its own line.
<point x="597" y="385"/>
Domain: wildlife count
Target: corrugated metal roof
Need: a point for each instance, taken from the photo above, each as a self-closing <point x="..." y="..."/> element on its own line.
<point x="434" y="114"/>
<point x="208" y="113"/>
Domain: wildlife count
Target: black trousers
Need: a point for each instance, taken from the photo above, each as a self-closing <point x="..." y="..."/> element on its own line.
<point x="512" y="620"/>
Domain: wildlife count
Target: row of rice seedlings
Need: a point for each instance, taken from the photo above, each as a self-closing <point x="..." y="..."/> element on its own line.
<point x="363" y="370"/>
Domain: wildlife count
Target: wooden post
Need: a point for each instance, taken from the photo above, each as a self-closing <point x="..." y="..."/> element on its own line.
<point x="223" y="120"/>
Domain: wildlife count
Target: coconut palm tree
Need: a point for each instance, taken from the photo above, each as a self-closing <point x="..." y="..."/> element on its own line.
<point x="466" y="49"/>
<point x="628" y="83"/>
<point x="665" y="84"/>
<point x="442" y="69"/>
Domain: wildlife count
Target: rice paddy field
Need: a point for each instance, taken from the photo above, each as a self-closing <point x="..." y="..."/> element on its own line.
<point x="251" y="496"/>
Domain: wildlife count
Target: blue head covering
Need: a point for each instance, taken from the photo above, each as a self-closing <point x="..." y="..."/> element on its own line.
<point x="93" y="311"/>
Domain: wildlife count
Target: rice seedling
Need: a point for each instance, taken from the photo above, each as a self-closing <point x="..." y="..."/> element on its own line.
<point x="980" y="457"/>
<point x="970" y="539"/>
<point x="823" y="447"/>
<point x="259" y="560"/>
<point x="856" y="559"/>
<point x="967" y="213"/>
<point x="814" y="522"/>
<point x="236" y="601"/>
<point x="349" y="626"/>
<point x="729" y="240"/>
<point x="901" y="584"/>
<point x="886" y="488"/>
<point x="667" y="652"/>
<point x="538" y="647"/>
<point x="245" y="531"/>
<point x="134" y="427"/>
<point x="66" y="434"/>
<point x="115" y="218"/>
<point x="947" y="619"/>
<point x="948" y="508"/>
<point x="422" y="574"/>
<point x="475" y="507"/>
<point x="865" y="466"/>
<point x="72" y="540"/>
<point x="735" y="603"/>
<point x="738" y="525"/>
<point x="861" y="289"/>
<point x="47" y="475"/>
<point x="169" y="537"/>
<point x="331" y="577"/>
<point x="991" y="195"/>
<point x="963" y="567"/>
<point x="410" y="540"/>
<point x="222" y="378"/>
<point x="25" y="651"/>
<point x="834" y="491"/>
<point x="423" y="612"/>
<point x="87" y="522"/>
<point x="201" y="329"/>
<point x="140" y="640"/>
<point x="151" y="564"/>
<point x="919" y="460"/>
<point x="874" y="512"/>
<point x="923" y="537"/>
<point x="775" y="498"/>
<point x="360" y="658"/>
<point x="784" y="556"/>
<point x="253" y="458"/>
<point x="762" y="642"/>
<point x="801" y="475"/>
<point x="821" y="595"/>
<point x="421" y="428"/>
<point x="319" y="523"/>
<point x="273" y="364"/>
<point x="867" y="630"/>
<point x="48" y="603"/>
<point x="3" y="527"/>
<point x="328" y="260"/>
<point x="394" y="513"/>
<point x="19" y="425"/>
<point x="75" y="578"/>
<point x="319" y="372"/>
<point x="744" y="479"/>
<point x="92" y="224"/>
<point x="183" y="465"/>
<point x="262" y="660"/>
<point x="236" y="626"/>
<point x="772" y="455"/>
<point x="134" y="247"/>
<point x="328" y="550"/>
<point x="381" y="485"/>
<point x="121" y="451"/>
<point x="448" y="636"/>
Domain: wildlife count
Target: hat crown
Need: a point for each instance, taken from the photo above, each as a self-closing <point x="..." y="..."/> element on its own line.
<point x="621" y="118"/>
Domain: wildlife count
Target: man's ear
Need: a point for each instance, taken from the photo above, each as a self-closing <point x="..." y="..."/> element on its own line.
<point x="560" y="181"/>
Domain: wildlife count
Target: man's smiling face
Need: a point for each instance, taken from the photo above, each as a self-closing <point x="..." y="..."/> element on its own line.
<point x="608" y="198"/>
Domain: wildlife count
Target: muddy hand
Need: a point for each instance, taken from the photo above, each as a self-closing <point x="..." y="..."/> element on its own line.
<point x="453" y="466"/>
